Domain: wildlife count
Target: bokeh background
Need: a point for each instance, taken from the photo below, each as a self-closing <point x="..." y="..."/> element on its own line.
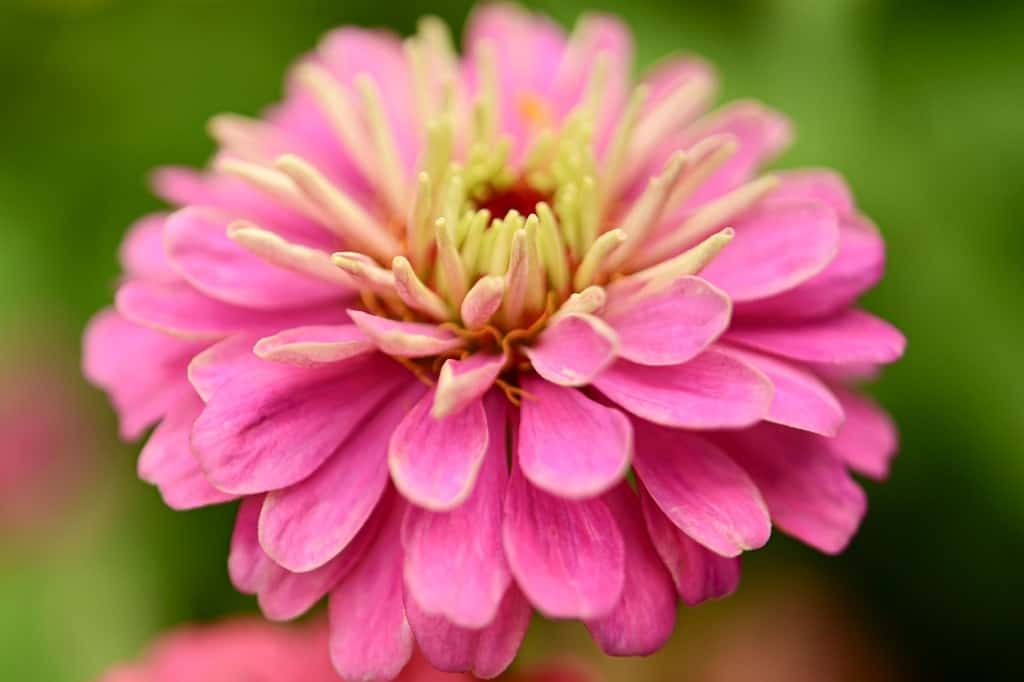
<point x="918" y="103"/>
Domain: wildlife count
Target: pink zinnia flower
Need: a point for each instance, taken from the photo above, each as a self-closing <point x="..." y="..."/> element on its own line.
<point x="251" y="650"/>
<point x="426" y="316"/>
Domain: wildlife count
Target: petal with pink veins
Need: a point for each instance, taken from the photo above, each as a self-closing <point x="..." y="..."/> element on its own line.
<point x="255" y="436"/>
<point x="221" y="363"/>
<point x="434" y="462"/>
<point x="168" y="463"/>
<point x="712" y="391"/>
<point x="461" y="382"/>
<point x="568" y="556"/>
<point x="247" y="563"/>
<point x="305" y="525"/>
<point x="645" y="616"/>
<point x="314" y="345"/>
<point x="672" y="325"/>
<point x="701" y="490"/>
<point x="868" y="439"/>
<point x="463" y="542"/>
<point x="809" y="492"/>
<point x="853" y="337"/>
<point x="776" y="248"/>
<point x="405" y="339"/>
<point x="569" y="445"/>
<point x="370" y="636"/>
<point x="573" y="350"/>
<point x="802" y="400"/>
<point x="699" y="574"/>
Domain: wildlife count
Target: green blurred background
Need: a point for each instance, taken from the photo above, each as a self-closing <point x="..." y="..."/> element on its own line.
<point x="918" y="103"/>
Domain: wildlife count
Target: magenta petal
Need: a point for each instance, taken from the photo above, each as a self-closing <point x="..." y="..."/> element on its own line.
<point x="701" y="490"/>
<point x="405" y="339"/>
<point x="852" y="337"/>
<point x="868" y="439"/>
<point x="142" y="251"/>
<point x="699" y="574"/>
<point x="463" y="542"/>
<point x="485" y="652"/>
<point x="671" y="326"/>
<point x="247" y="563"/>
<point x="221" y="363"/>
<point x="168" y="463"/>
<point x="775" y="249"/>
<point x="813" y="184"/>
<point x="809" y="493"/>
<point x="801" y="400"/>
<point x="256" y="436"/>
<point x="370" y="636"/>
<point x="461" y="382"/>
<point x="573" y="350"/>
<point x="568" y="556"/>
<point x="314" y="345"/>
<point x="197" y="243"/>
<point x="712" y="391"/>
<point x="569" y="445"/>
<point x="303" y="526"/>
<point x="434" y="462"/>
<point x="645" y="616"/>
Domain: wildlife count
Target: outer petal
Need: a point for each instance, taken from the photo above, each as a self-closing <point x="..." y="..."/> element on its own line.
<point x="370" y="637"/>
<point x="141" y="369"/>
<point x="699" y="574"/>
<point x="434" y="462"/>
<point x="852" y="337"/>
<point x="644" y="618"/>
<point x="671" y="326"/>
<point x="463" y="542"/>
<point x="405" y="339"/>
<point x="712" y="391"/>
<point x="808" y="490"/>
<point x="573" y="350"/>
<point x="776" y="248"/>
<point x="142" y="251"/>
<point x="247" y="563"/>
<point x="221" y="363"/>
<point x="255" y="436"/>
<point x="567" y="556"/>
<point x="461" y="382"/>
<point x="305" y="525"/>
<point x="314" y="345"/>
<point x="801" y="400"/>
<point x="701" y="490"/>
<point x="569" y="445"/>
<point x="168" y="463"/>
<point x="868" y="439"/>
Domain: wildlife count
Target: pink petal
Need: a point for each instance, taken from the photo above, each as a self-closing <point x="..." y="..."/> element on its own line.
<point x="314" y="345"/>
<point x="776" y="248"/>
<point x="142" y="370"/>
<point x="699" y="574"/>
<point x="461" y="382"/>
<point x="463" y="542"/>
<point x="573" y="350"/>
<point x="814" y="184"/>
<point x="568" y="556"/>
<point x="801" y="400"/>
<point x="485" y="652"/>
<point x="221" y="363"/>
<point x="671" y="326"/>
<point x="853" y="337"/>
<point x="370" y="637"/>
<point x="701" y="490"/>
<point x="434" y="462"/>
<point x="809" y="493"/>
<point x="303" y="526"/>
<point x="198" y="245"/>
<point x="868" y="439"/>
<point x="142" y="251"/>
<point x="405" y="339"/>
<point x="569" y="445"/>
<point x="168" y="463"/>
<point x="857" y="267"/>
<point x="255" y="436"/>
<point x="247" y="563"/>
<point x="645" y="616"/>
<point x="712" y="391"/>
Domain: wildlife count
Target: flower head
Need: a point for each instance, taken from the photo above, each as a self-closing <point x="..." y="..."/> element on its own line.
<point x="426" y="316"/>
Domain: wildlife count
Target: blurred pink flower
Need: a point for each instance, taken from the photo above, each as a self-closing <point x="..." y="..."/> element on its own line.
<point x="255" y="651"/>
<point x="426" y="315"/>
